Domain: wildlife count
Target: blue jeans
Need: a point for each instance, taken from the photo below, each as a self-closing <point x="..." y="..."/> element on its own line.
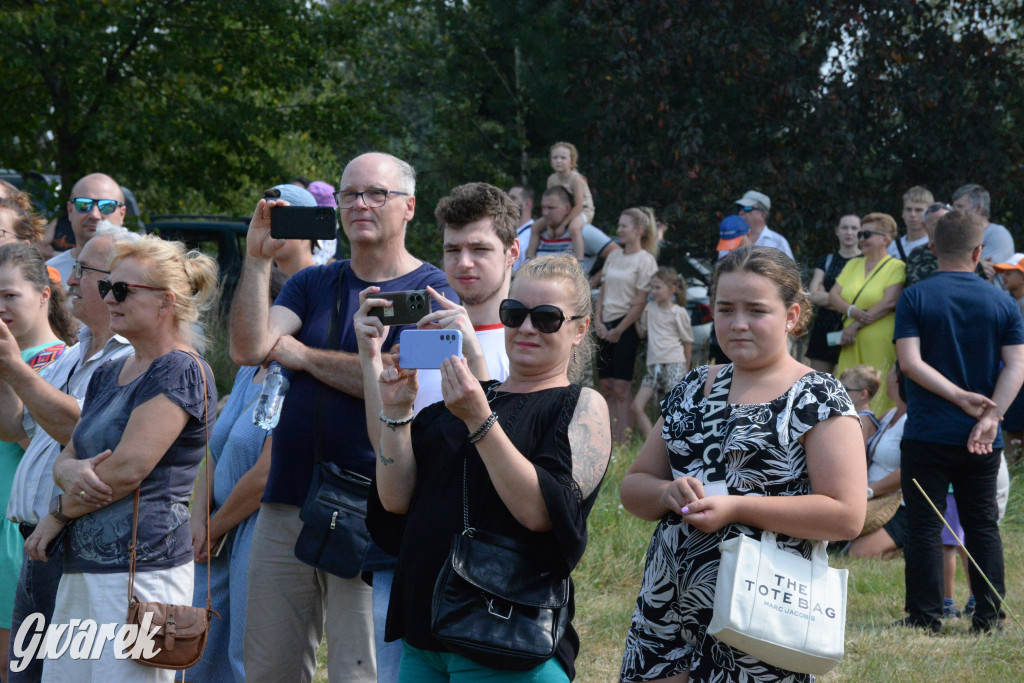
<point x="37" y="590"/>
<point x="388" y="654"/>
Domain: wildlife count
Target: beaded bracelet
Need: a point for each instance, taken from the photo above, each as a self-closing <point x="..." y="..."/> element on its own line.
<point x="482" y="430"/>
<point x="391" y="422"/>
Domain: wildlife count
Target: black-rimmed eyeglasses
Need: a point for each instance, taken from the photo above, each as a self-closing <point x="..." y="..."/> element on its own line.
<point x="545" y="318"/>
<point x="372" y="198"/>
<point x="79" y="270"/>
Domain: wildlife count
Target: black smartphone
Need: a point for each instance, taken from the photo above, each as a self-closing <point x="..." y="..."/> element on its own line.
<point x="302" y="222"/>
<point x="406" y="307"/>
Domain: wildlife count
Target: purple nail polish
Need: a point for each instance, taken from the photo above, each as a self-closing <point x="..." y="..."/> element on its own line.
<point x="685" y="510"/>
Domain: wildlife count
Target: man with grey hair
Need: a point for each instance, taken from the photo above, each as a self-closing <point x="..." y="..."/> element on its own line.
<point x="45" y="408"/>
<point x="94" y="198"/>
<point x="998" y="240"/>
<point x="289" y="602"/>
<point x="754" y="207"/>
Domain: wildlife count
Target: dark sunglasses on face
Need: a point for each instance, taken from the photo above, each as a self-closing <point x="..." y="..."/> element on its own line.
<point x="120" y="289"/>
<point x="545" y="318"/>
<point x="747" y="209"/>
<point x="866" y="234"/>
<point x="106" y="206"/>
<point x="79" y="270"/>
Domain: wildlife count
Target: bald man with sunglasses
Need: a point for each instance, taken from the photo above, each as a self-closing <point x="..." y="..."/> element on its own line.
<point x="94" y="198"/>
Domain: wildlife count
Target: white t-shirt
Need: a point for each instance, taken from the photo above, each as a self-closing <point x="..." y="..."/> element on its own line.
<point x="885" y="459"/>
<point x="64" y="262"/>
<point x="492" y="342"/>
<point x="908" y="246"/>
<point x="523" y="233"/>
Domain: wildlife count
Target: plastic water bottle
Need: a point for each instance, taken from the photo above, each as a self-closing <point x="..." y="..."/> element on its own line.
<point x="268" y="407"/>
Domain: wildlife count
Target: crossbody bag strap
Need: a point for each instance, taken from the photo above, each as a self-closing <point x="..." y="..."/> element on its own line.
<point x="333" y="339"/>
<point x="131" y="548"/>
<point x="874" y="272"/>
<point x="508" y="428"/>
<point x="206" y="467"/>
<point x="713" y="426"/>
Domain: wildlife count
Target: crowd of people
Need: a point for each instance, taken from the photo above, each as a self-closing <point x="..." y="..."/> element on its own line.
<point x="118" y="469"/>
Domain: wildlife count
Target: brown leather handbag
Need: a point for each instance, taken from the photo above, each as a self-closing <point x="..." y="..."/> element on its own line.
<point x="179" y="632"/>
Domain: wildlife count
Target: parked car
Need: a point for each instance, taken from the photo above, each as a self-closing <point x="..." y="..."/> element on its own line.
<point x="221" y="237"/>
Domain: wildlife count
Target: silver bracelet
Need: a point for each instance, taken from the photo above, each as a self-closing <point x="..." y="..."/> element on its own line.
<point x="391" y="422"/>
<point x="850" y="308"/>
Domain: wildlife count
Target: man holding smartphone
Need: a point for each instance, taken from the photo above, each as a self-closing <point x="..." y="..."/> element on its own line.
<point x="288" y="600"/>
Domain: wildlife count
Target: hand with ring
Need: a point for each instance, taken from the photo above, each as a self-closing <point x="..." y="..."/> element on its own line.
<point x="79" y="477"/>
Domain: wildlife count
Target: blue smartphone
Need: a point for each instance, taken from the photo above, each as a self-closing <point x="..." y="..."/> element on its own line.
<point x="427" y="349"/>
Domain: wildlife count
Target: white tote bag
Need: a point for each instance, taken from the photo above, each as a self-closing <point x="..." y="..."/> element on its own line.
<point x="779" y="607"/>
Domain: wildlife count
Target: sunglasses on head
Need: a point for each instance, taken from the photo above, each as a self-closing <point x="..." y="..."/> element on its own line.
<point x="106" y="206"/>
<point x="545" y="318"/>
<point x="121" y="289"/>
<point x="866" y="234"/>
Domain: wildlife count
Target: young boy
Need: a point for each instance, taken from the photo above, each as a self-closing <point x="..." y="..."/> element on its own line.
<point x="916" y="201"/>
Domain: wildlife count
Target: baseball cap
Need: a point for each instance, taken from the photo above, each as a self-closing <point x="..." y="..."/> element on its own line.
<point x="731" y="232"/>
<point x="323" y="193"/>
<point x="294" y="195"/>
<point x="754" y="197"/>
<point x="1014" y="263"/>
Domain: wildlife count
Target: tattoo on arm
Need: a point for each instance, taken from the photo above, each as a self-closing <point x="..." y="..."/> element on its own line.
<point x="384" y="460"/>
<point x="590" y="441"/>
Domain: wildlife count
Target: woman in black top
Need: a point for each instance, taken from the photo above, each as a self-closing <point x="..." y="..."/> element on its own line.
<point x="533" y="477"/>
<point x="820" y="355"/>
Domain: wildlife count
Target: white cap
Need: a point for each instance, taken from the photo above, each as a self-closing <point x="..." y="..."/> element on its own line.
<point x="754" y="197"/>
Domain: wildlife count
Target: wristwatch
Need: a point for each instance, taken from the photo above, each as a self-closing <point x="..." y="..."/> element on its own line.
<point x="55" y="510"/>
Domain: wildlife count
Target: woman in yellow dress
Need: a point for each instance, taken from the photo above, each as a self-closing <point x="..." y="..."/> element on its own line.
<point x="866" y="293"/>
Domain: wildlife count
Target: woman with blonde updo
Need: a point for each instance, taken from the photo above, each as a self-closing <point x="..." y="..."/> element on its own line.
<point x="143" y="426"/>
<point x="625" y="283"/>
<point x="529" y="453"/>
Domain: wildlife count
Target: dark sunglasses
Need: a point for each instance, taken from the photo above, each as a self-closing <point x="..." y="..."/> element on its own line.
<point x="106" y="206"/>
<point x="120" y="289"/>
<point x="79" y="270"/>
<point x="866" y="234"/>
<point x="545" y="318"/>
<point x="747" y="209"/>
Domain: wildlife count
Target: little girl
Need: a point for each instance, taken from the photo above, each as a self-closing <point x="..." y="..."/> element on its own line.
<point x="666" y="324"/>
<point x="563" y="162"/>
<point x="862" y="383"/>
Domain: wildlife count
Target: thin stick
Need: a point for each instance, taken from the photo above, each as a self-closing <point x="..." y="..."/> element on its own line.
<point x="969" y="556"/>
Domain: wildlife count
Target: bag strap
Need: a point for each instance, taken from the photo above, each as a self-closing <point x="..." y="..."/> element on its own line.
<point x="874" y="272"/>
<point x="828" y="263"/>
<point x="135" y="503"/>
<point x="508" y="429"/>
<point x="333" y="339"/>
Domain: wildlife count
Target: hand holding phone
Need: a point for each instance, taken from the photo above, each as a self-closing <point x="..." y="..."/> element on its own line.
<point x="407" y="307"/>
<point x="427" y="349"/>
<point x="303" y="222"/>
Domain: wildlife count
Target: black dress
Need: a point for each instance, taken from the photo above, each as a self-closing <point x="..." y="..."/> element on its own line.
<point x="826" y="320"/>
<point x="537" y="423"/>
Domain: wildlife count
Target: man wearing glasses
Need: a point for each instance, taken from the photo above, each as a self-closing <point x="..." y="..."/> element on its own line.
<point x="94" y="198"/>
<point x="290" y="603"/>
<point x="754" y="207"/>
<point x="44" y="408"/>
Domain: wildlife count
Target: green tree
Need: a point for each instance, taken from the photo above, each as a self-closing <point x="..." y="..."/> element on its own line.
<point x="195" y="104"/>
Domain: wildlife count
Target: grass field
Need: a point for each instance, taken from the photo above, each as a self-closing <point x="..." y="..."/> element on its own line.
<point x="609" y="576"/>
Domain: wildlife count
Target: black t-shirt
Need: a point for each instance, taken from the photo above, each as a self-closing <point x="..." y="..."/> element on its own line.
<point x="827" y="318"/>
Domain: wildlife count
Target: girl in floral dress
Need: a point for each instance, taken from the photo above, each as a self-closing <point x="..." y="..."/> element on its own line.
<point x="787" y="457"/>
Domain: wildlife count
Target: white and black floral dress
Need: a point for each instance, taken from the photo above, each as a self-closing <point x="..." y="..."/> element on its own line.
<point x="763" y="457"/>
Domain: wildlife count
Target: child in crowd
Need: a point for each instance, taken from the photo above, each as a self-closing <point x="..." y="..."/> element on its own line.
<point x="862" y="383"/>
<point x="563" y="162"/>
<point x="666" y="324"/>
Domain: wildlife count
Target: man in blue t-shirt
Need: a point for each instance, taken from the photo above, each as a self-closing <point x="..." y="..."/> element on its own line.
<point x="953" y="330"/>
<point x="289" y="602"/>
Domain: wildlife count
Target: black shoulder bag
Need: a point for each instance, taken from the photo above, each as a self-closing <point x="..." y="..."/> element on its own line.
<point x="334" y="537"/>
<point x="492" y="603"/>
